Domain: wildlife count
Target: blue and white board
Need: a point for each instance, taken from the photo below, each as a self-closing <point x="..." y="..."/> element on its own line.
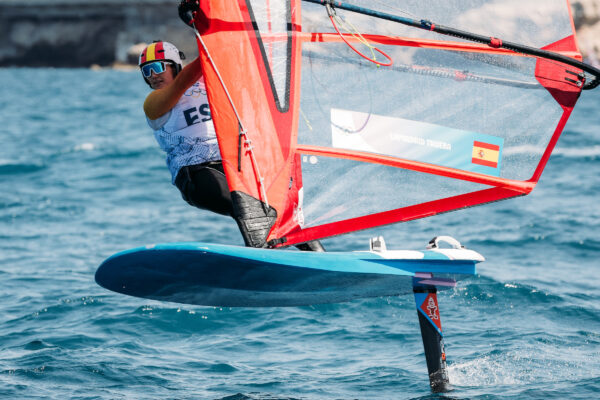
<point x="232" y="276"/>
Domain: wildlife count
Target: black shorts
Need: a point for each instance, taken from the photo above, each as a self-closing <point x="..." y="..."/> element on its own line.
<point x="205" y="186"/>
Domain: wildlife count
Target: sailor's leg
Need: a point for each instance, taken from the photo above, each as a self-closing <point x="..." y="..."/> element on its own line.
<point x="433" y="340"/>
<point x="204" y="186"/>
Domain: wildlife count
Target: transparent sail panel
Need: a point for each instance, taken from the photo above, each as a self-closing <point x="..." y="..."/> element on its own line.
<point x="478" y="113"/>
<point x="272" y="19"/>
<point x="336" y="189"/>
<point x="432" y="106"/>
<point x="531" y="22"/>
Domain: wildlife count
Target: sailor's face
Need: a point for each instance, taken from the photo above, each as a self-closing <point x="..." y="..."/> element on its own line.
<point x="159" y="81"/>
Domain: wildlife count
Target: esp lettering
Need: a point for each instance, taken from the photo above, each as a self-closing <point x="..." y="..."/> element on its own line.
<point x="192" y="115"/>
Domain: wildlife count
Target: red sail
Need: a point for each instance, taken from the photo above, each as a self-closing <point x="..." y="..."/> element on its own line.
<point x="449" y="125"/>
<point x="259" y="63"/>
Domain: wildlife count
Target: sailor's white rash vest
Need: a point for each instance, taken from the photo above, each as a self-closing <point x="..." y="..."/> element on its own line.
<point x="186" y="133"/>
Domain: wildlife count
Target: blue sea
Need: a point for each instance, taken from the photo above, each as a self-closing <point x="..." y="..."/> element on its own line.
<point x="82" y="178"/>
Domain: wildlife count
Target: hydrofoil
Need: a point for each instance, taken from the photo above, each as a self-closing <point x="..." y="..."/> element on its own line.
<point x="232" y="276"/>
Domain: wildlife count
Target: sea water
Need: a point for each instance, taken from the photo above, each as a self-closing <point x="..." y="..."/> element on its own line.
<point x="82" y="178"/>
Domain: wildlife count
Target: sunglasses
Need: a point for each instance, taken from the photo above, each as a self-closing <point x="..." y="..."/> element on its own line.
<point x="158" y="67"/>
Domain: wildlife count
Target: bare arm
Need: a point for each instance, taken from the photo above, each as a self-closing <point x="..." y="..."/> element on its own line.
<point x="161" y="101"/>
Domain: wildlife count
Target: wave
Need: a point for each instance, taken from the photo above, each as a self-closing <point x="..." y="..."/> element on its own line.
<point x="85" y="147"/>
<point x="567" y="152"/>
<point x="578" y="152"/>
<point x="520" y="369"/>
<point x="14" y="167"/>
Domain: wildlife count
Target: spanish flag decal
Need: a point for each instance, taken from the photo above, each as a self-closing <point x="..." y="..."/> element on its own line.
<point x="486" y="154"/>
<point x="153" y="52"/>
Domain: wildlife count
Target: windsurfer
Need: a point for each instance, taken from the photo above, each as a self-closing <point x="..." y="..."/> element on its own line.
<point x="178" y="112"/>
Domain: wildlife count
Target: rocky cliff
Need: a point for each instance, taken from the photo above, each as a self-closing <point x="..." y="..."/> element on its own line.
<point x="77" y="33"/>
<point x="586" y="14"/>
<point x="84" y="33"/>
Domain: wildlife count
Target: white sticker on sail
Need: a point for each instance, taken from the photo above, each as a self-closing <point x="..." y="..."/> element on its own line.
<point x="416" y="140"/>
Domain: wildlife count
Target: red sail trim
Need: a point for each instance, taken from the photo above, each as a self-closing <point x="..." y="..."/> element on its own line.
<point x="564" y="92"/>
<point x="424" y="43"/>
<point x="402" y="214"/>
<point x="324" y="37"/>
<point x="546" y="156"/>
<point x="523" y="187"/>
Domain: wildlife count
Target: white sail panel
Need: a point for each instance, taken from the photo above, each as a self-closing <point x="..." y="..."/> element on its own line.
<point x="531" y="22"/>
<point x="479" y="112"/>
<point x="272" y="18"/>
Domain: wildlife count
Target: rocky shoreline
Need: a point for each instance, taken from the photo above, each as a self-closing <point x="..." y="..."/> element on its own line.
<point x="72" y="33"/>
<point x="586" y="14"/>
<point x="82" y="34"/>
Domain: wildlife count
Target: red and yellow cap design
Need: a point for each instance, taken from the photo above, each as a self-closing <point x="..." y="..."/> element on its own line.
<point x="160" y="51"/>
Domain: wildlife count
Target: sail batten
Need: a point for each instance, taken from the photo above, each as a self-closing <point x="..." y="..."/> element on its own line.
<point x="524" y="187"/>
